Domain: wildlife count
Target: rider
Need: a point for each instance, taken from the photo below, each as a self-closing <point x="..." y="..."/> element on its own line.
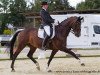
<point x="47" y="21"/>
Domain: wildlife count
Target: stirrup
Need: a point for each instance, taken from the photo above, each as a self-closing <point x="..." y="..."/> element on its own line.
<point x="43" y="48"/>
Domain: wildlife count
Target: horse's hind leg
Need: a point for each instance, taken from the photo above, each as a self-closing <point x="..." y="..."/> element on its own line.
<point x="73" y="54"/>
<point x="30" y="55"/>
<point x="18" y="50"/>
<point x="50" y="59"/>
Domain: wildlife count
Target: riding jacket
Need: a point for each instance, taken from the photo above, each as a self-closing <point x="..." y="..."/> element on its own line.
<point x="46" y="18"/>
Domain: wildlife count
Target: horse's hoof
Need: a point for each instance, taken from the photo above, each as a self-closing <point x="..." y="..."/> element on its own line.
<point x="12" y="70"/>
<point x="49" y="70"/>
<point x="82" y="64"/>
<point x="38" y="68"/>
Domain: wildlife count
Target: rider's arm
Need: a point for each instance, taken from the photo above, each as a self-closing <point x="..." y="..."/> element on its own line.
<point x="46" y="17"/>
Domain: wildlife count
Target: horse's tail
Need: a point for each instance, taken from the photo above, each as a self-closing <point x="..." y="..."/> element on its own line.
<point x="13" y="39"/>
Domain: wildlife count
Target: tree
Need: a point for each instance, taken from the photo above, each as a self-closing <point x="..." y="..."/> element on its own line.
<point x="37" y="6"/>
<point x="89" y="4"/>
<point x="60" y="5"/>
<point x="16" y="8"/>
<point x="4" y="5"/>
<point x="12" y="10"/>
<point x="54" y="5"/>
<point x="81" y="6"/>
<point x="4" y="9"/>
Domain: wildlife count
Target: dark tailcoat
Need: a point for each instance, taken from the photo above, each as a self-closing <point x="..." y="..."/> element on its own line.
<point x="46" y="18"/>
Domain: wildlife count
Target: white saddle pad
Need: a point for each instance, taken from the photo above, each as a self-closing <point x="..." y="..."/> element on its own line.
<point x="47" y="30"/>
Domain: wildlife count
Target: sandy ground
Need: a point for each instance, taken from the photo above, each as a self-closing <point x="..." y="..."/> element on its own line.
<point x="23" y="54"/>
<point x="59" y="66"/>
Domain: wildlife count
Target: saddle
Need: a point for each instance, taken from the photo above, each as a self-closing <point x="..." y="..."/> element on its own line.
<point x="42" y="31"/>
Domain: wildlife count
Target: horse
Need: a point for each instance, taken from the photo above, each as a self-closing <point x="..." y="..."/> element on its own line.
<point x="29" y="37"/>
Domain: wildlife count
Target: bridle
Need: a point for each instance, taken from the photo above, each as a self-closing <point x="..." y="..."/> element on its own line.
<point x="72" y="31"/>
<point x="79" y="21"/>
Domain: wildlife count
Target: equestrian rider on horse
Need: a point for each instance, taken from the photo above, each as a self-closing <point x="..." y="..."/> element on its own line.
<point x="47" y="21"/>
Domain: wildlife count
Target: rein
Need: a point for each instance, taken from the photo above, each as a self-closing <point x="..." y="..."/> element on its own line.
<point x="74" y="23"/>
<point x="72" y="31"/>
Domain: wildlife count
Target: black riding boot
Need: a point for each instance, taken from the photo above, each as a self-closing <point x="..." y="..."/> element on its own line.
<point x="45" y="42"/>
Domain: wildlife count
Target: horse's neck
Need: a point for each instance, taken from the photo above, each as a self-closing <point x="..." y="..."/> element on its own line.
<point x="63" y="30"/>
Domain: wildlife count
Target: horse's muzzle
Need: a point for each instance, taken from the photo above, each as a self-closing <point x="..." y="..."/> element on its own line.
<point x="77" y="35"/>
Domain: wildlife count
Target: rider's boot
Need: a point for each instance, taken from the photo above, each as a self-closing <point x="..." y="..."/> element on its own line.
<point x="45" y="41"/>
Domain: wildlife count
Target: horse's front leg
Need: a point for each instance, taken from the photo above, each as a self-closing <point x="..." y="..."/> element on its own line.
<point x="50" y="59"/>
<point x="73" y="54"/>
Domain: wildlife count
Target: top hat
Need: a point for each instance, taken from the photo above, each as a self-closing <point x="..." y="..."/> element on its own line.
<point x="44" y="3"/>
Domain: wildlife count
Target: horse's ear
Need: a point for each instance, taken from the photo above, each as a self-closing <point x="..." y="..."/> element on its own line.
<point x="80" y="18"/>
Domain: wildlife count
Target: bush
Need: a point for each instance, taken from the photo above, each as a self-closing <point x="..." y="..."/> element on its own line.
<point x="7" y="32"/>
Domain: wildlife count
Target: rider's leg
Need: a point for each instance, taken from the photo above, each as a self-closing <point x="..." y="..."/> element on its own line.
<point x="45" y="42"/>
<point x="49" y="32"/>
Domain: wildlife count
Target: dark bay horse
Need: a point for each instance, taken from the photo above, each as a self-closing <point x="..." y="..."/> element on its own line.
<point x="29" y="37"/>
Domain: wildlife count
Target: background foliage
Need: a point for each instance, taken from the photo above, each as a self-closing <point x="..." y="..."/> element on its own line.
<point x="12" y="10"/>
<point x="88" y="4"/>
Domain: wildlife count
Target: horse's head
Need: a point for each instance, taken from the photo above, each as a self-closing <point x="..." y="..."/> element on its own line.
<point x="75" y="24"/>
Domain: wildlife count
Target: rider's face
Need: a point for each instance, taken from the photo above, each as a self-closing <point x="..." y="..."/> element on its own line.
<point x="46" y="6"/>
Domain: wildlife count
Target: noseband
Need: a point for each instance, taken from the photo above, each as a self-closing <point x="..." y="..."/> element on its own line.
<point x="72" y="31"/>
<point x="79" y="21"/>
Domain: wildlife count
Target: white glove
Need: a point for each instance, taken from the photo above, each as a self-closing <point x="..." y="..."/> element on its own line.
<point x="56" y="22"/>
